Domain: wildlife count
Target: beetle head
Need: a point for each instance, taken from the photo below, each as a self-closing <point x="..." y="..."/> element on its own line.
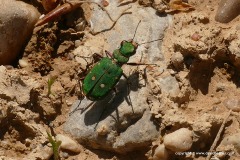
<point x="128" y="48"/>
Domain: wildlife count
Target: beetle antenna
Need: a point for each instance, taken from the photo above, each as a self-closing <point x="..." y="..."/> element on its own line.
<point x="151" y="41"/>
<point x="136" y="30"/>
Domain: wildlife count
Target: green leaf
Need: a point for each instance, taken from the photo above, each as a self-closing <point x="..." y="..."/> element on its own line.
<point x="50" y="82"/>
<point x="55" y="146"/>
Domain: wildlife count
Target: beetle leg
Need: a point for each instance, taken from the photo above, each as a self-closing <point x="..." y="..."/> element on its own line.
<point x="128" y="88"/>
<point x="109" y="54"/>
<point x="96" y="57"/>
<point x="105" y="107"/>
<point x="93" y="59"/>
<point x="82" y="109"/>
<point x="75" y="109"/>
<point x="138" y="64"/>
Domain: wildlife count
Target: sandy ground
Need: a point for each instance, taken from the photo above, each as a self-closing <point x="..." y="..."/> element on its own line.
<point x="200" y="53"/>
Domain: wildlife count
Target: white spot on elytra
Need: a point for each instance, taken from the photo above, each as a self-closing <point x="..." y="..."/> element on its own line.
<point x="102" y="85"/>
<point x="93" y="78"/>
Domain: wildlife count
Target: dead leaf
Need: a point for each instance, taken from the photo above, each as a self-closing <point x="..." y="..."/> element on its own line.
<point x="105" y="3"/>
<point x="179" y="5"/>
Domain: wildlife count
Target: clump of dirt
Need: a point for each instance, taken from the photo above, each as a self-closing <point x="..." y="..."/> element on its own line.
<point x="55" y="40"/>
<point x="201" y="55"/>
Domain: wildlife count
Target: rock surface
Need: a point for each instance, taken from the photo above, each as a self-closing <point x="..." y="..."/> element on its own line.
<point x="179" y="141"/>
<point x="232" y="140"/>
<point x="17" y="21"/>
<point x="202" y="57"/>
<point x="227" y="11"/>
<point x="121" y="127"/>
<point x="118" y="127"/>
<point x="68" y="144"/>
<point x="16" y="86"/>
<point x="232" y="103"/>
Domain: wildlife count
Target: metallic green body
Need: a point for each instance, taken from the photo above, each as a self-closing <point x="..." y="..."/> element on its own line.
<point x="119" y="57"/>
<point x="101" y="79"/>
<point x="107" y="72"/>
<point x="127" y="49"/>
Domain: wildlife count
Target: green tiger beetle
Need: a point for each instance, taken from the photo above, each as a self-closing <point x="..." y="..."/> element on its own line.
<point x="107" y="72"/>
<point x="104" y="75"/>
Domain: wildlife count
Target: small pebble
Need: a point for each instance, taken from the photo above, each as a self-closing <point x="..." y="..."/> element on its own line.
<point x="78" y="43"/>
<point x="216" y="101"/>
<point x="80" y="25"/>
<point x="27" y="142"/>
<point x="232" y="140"/>
<point x="232" y="103"/>
<point x="105" y="3"/>
<point x="220" y="87"/>
<point x="195" y="36"/>
<point x="177" y="60"/>
<point x="160" y="153"/>
<point x="172" y="72"/>
<point x="65" y="155"/>
<point x="23" y="63"/>
<point x="179" y="141"/>
<point x="103" y="130"/>
<point x="68" y="143"/>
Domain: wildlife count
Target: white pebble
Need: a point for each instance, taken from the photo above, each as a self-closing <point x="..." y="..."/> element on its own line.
<point x="103" y="130"/>
<point x="68" y="143"/>
<point x="177" y="60"/>
<point x="23" y="63"/>
<point x="65" y="155"/>
<point x="179" y="141"/>
<point x="160" y="153"/>
<point x="232" y="103"/>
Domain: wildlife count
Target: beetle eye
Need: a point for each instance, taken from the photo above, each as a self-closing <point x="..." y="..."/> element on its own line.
<point x="123" y="42"/>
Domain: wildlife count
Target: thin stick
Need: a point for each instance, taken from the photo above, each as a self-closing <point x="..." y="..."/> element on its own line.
<point x="218" y="135"/>
<point x="67" y="7"/>
<point x="99" y="5"/>
<point x="114" y="22"/>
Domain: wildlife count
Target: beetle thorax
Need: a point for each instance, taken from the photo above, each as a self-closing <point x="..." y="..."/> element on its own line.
<point x="126" y="50"/>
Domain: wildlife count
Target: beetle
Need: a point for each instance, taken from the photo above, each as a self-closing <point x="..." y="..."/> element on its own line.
<point x="103" y="77"/>
<point x="106" y="73"/>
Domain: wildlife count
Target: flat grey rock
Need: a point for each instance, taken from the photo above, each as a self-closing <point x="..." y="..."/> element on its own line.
<point x="113" y="124"/>
<point x="121" y="123"/>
